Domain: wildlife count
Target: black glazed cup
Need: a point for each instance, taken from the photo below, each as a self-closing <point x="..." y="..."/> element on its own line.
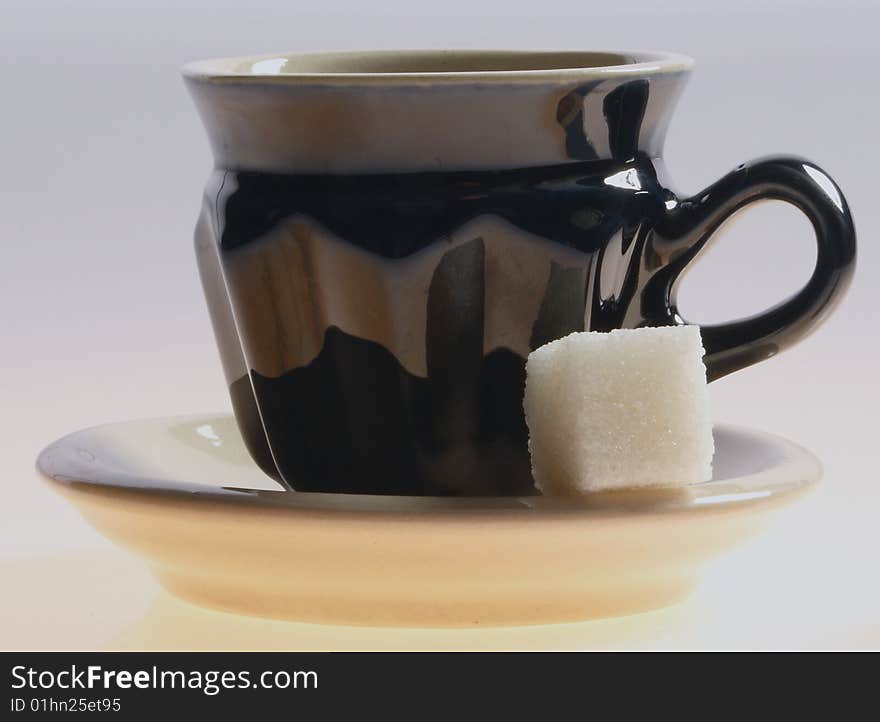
<point x="386" y="236"/>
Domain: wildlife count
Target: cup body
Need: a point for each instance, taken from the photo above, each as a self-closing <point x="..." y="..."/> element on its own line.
<point x="386" y="236"/>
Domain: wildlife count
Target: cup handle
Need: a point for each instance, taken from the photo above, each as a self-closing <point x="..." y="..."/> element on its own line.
<point x="689" y="224"/>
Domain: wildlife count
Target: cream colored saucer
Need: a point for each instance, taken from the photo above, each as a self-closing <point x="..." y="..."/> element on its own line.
<point x="183" y="494"/>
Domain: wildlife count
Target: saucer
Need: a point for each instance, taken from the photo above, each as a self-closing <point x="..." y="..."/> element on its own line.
<point x="183" y="494"/>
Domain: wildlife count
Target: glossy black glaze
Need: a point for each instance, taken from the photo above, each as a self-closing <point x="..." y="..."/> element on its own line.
<point x="354" y="419"/>
<point x="732" y="346"/>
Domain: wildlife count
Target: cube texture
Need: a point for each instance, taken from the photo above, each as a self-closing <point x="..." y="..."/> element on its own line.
<point x="620" y="409"/>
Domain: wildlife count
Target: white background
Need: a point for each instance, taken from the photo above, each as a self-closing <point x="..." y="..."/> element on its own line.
<point x="102" y="162"/>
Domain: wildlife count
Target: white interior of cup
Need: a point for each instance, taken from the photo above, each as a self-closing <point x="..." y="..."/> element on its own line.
<point x="428" y="62"/>
<point x="409" y="64"/>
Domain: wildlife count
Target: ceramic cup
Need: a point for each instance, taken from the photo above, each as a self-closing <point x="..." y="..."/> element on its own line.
<point x="387" y="235"/>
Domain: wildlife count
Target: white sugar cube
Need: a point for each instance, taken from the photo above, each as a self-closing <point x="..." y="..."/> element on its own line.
<point x="619" y="409"/>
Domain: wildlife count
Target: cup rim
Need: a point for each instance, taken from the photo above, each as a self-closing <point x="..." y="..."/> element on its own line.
<point x="557" y="65"/>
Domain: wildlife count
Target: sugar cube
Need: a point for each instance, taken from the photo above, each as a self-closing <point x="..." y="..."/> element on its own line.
<point x="620" y="409"/>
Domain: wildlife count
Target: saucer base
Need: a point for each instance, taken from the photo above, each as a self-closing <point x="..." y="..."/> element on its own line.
<point x="431" y="610"/>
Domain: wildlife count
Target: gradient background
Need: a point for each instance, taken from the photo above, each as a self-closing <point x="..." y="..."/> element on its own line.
<point x="102" y="163"/>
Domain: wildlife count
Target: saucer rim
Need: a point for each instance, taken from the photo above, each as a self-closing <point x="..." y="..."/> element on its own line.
<point x="798" y="471"/>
